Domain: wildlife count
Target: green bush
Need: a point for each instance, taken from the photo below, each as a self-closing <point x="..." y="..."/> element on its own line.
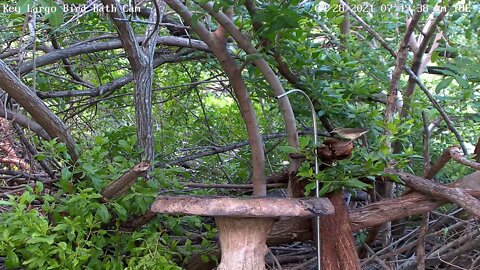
<point x="74" y="231"/>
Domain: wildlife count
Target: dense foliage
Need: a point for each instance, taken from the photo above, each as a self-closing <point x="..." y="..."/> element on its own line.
<point x="60" y="221"/>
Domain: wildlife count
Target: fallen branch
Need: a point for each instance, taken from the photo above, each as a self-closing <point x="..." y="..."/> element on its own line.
<point x="455" y="195"/>
<point x="412" y="204"/>
<point x="125" y="181"/>
<point x="15" y="161"/>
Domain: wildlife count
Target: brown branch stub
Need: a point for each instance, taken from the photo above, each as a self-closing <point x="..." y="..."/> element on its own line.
<point x="243" y="207"/>
<point x="123" y="183"/>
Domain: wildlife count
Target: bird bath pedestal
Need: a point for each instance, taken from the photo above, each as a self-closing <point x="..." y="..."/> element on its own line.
<point x="243" y="223"/>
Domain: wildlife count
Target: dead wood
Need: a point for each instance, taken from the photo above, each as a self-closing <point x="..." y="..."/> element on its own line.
<point x="408" y="205"/>
<point x="438" y="190"/>
<point x="125" y="181"/>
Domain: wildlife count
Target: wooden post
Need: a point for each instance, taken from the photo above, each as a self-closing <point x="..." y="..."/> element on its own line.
<point x="243" y="242"/>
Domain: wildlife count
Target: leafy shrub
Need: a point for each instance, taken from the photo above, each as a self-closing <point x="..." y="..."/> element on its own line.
<point x="72" y="232"/>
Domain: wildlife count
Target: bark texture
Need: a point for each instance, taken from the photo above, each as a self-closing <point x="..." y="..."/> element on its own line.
<point x="242" y="241"/>
<point x="141" y="61"/>
<point x="217" y="42"/>
<point x="24" y="96"/>
<point x="243" y="207"/>
<point x="122" y="184"/>
<point x="337" y="246"/>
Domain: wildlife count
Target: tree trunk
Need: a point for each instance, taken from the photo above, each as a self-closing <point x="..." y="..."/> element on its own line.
<point x="143" y="106"/>
<point x="141" y="61"/>
<point x="337" y="246"/>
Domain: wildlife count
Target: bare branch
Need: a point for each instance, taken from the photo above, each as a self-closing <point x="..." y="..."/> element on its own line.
<point x="56" y="55"/>
<point x="455" y="195"/>
<point x="23" y="121"/>
<point x="35" y="106"/>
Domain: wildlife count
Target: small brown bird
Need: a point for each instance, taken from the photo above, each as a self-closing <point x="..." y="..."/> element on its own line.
<point x="349" y="133"/>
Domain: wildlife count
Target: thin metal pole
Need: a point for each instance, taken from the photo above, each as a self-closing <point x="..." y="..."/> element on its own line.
<point x="315" y="140"/>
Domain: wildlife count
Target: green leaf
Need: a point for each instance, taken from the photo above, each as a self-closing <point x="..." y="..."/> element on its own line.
<point x="121" y="212"/>
<point x="204" y="258"/>
<point x="97" y="183"/>
<point x="40" y="156"/>
<point x="61" y="227"/>
<point x="303" y="141"/>
<point x="12" y="261"/>
<point x="287" y="149"/>
<point x="101" y="140"/>
<point x="124" y="144"/>
<point x="25" y="6"/>
<point x="38" y="187"/>
<point x="325" y="189"/>
<point x="305" y="170"/>
<point x="55" y="18"/>
<point x="71" y="235"/>
<point x="53" y="12"/>
<point x="6" y="203"/>
<point x="88" y="168"/>
<point x="41" y="239"/>
<point x="26" y="198"/>
<point x="357" y="184"/>
<point x="309" y="187"/>
<point x="462" y="82"/>
<point x="103" y="214"/>
<point x="66" y="174"/>
<point x="443" y="84"/>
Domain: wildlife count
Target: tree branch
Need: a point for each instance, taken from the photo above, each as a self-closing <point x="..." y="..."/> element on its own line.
<point x="35" y="106"/>
<point x="24" y="121"/>
<point x="411" y="204"/>
<point x="122" y="184"/>
<point x="412" y="75"/>
<point x="217" y="43"/>
<point x="56" y="55"/>
<point x="434" y="189"/>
